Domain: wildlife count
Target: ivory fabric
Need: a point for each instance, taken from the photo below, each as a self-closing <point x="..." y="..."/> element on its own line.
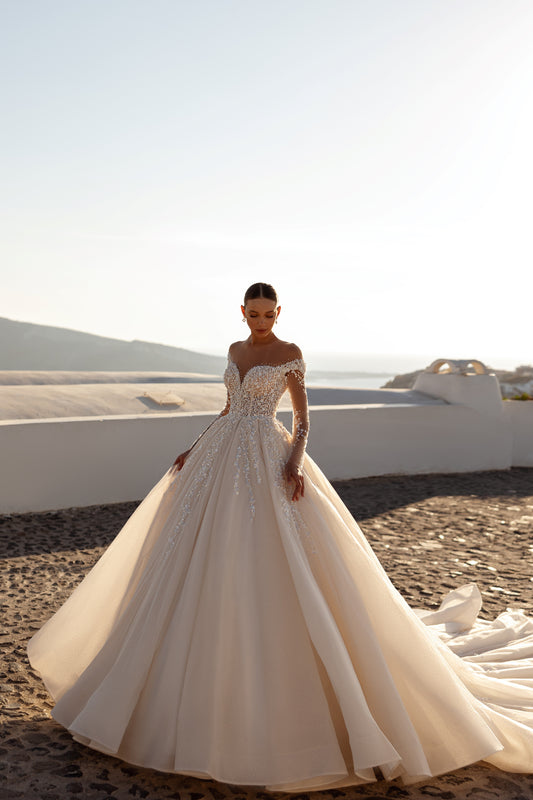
<point x="228" y="632"/>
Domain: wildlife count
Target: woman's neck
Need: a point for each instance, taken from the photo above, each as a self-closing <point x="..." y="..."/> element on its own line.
<point x="261" y="342"/>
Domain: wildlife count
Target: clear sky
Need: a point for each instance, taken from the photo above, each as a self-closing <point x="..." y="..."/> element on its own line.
<point x="373" y="159"/>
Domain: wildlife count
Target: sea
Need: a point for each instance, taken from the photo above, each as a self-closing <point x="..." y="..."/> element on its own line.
<point x="361" y="370"/>
<point x="372" y="371"/>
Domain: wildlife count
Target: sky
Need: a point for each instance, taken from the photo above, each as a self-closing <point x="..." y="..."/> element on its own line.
<point x="372" y="159"/>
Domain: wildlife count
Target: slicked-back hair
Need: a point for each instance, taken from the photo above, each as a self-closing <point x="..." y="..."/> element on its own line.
<point x="260" y="290"/>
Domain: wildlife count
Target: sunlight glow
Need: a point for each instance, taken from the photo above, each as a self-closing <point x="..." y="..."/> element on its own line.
<point x="372" y="160"/>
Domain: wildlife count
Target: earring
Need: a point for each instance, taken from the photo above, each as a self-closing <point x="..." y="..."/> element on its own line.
<point x="244" y="319"/>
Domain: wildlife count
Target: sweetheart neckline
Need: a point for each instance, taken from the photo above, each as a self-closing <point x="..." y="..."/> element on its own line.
<point x="271" y="366"/>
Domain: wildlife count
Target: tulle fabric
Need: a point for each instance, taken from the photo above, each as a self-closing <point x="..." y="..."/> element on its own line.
<point x="229" y="633"/>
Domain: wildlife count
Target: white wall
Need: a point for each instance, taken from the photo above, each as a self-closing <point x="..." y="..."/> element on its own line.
<point x="58" y="463"/>
<point x="48" y="464"/>
<point x="358" y="441"/>
<point x="519" y="417"/>
<point x="481" y="392"/>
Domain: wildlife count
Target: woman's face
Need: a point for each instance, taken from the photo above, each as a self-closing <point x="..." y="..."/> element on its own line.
<point x="260" y="315"/>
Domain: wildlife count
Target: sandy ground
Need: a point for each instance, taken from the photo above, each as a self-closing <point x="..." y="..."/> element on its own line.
<point x="113" y="399"/>
<point x="52" y="394"/>
<point x="58" y="377"/>
<point x="118" y="399"/>
<point x="431" y="533"/>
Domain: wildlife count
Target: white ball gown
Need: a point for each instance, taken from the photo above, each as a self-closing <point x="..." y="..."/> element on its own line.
<point x="230" y="633"/>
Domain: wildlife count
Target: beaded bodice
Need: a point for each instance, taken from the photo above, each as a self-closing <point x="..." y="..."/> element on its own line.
<point x="248" y="428"/>
<point x="261" y="388"/>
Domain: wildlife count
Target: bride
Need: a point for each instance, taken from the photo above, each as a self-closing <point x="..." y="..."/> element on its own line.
<point x="240" y="627"/>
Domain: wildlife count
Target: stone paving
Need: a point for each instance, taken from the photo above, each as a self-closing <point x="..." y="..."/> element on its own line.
<point x="431" y="532"/>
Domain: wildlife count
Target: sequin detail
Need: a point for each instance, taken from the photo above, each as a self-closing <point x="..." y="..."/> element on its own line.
<point x="261" y="389"/>
<point x="251" y="418"/>
<point x="212" y="447"/>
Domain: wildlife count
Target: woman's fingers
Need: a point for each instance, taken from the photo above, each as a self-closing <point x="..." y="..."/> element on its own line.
<point x="298" y="479"/>
<point x="179" y="462"/>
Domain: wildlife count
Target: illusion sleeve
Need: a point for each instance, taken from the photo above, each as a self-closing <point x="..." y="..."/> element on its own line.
<point x="300" y="413"/>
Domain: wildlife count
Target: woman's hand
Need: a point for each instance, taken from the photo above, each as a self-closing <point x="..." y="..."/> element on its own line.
<point x="293" y="474"/>
<point x="180" y="461"/>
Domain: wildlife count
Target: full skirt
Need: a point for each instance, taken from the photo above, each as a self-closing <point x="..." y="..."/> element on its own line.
<point x="230" y="633"/>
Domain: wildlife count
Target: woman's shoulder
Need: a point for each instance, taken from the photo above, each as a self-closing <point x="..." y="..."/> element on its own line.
<point x="292" y="360"/>
<point x="291" y="352"/>
<point x="293" y="363"/>
<point x="284" y="351"/>
<point x="234" y="348"/>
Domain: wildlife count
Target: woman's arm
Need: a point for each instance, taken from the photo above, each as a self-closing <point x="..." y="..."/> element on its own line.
<point x="180" y="460"/>
<point x="300" y="431"/>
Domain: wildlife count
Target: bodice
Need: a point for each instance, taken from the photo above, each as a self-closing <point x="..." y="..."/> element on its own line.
<point x="261" y="388"/>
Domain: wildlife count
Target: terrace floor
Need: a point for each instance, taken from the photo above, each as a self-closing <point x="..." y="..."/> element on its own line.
<point x="431" y="532"/>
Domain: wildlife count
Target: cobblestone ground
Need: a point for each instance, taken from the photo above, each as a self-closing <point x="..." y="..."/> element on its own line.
<point x="431" y="532"/>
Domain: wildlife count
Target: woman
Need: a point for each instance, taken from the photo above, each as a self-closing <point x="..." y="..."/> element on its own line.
<point x="240" y="627"/>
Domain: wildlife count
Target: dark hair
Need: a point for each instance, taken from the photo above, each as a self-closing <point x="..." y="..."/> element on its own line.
<point x="260" y="290"/>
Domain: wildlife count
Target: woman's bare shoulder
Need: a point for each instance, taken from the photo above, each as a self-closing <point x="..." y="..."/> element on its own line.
<point x="234" y="348"/>
<point x="291" y="351"/>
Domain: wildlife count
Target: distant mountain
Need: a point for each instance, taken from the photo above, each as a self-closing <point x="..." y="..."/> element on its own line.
<point x="24" y="345"/>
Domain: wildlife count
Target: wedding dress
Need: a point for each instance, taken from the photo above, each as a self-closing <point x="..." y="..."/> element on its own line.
<point x="231" y="633"/>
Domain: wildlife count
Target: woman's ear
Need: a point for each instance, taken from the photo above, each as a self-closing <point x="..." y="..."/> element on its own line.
<point x="243" y="311"/>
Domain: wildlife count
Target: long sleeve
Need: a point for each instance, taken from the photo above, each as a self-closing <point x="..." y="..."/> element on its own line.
<point x="300" y="415"/>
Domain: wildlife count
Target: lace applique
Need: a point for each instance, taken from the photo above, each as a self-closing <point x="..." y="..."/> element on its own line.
<point x="248" y="457"/>
<point x="199" y="477"/>
<point x="253" y="402"/>
<point x="261" y="388"/>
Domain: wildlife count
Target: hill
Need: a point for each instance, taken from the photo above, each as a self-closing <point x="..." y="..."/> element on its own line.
<point x="26" y="346"/>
